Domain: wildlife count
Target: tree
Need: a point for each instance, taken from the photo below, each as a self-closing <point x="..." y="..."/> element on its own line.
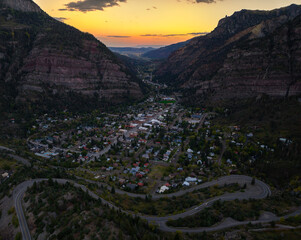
<point x="120" y="235"/>
<point x="18" y="236"/>
<point x="253" y="181"/>
<point x="50" y="182"/>
<point x="178" y="236"/>
<point x="6" y="167"/>
<point x="113" y="190"/>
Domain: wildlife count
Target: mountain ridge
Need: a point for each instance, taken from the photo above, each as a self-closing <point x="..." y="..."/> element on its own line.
<point x="164" y="52"/>
<point x="196" y="67"/>
<point x="22" y="5"/>
<point x="43" y="60"/>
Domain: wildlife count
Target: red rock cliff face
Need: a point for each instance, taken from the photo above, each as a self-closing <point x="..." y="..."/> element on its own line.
<point x="42" y="59"/>
<point x="271" y="65"/>
<point x="92" y="74"/>
<point x="249" y="53"/>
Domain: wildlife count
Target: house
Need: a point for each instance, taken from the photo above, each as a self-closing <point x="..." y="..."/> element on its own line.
<point x="189" y="151"/>
<point x="133" y="134"/>
<point x="163" y="189"/>
<point x="186" y="184"/>
<point x="122" y="181"/>
<point x="5" y="175"/>
<point x="139" y="175"/>
<point x="197" y="116"/>
<point x="193" y="122"/>
<point x="123" y="131"/>
<point x="284" y="140"/>
<point x="155" y="122"/>
<point x="142" y="141"/>
<point x="249" y="135"/>
<point x="229" y="161"/>
<point x="143" y="129"/>
<point x="134" y="170"/>
<point x="190" y="179"/>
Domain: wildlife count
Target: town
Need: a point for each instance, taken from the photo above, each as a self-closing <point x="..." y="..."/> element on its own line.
<point x="156" y="146"/>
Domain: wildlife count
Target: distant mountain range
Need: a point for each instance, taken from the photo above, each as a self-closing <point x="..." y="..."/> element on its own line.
<point x="47" y="62"/>
<point x="249" y="53"/>
<point x="150" y="53"/>
<point x="164" y="52"/>
<point x="131" y="51"/>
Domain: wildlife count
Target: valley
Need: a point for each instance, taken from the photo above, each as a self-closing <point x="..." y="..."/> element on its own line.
<point x="195" y="140"/>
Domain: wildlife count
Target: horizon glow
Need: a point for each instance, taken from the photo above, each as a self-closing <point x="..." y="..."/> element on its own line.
<point x="134" y="23"/>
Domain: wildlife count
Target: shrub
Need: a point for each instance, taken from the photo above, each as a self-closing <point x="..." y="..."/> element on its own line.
<point x="18" y="236"/>
<point x="15" y="221"/>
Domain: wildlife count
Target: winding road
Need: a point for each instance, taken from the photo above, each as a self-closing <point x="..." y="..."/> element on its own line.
<point x="258" y="191"/>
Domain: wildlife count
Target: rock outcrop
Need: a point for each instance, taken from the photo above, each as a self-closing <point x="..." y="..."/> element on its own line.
<point x="249" y="53"/>
<point x="22" y="5"/>
<point x="44" y="60"/>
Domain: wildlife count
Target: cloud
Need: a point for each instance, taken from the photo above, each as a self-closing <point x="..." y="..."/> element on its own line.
<point x="117" y="36"/>
<point x="153" y="8"/>
<point x="91" y="5"/>
<point x="100" y="5"/>
<point x="198" y="33"/>
<point x="61" y="19"/>
<point x="205" y="1"/>
<point x="202" y="1"/>
<point x="174" y="35"/>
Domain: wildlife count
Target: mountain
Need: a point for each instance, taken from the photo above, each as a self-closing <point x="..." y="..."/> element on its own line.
<point x="135" y="65"/>
<point x="249" y="53"/>
<point x="21" y="5"/>
<point x="48" y="62"/>
<point x="131" y="52"/>
<point x="164" y="52"/>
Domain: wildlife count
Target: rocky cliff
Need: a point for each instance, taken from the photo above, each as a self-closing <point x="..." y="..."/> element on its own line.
<point x="249" y="53"/>
<point x="46" y="61"/>
<point x="21" y="5"/>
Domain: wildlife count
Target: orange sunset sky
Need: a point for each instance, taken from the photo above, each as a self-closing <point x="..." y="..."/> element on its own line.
<point x="149" y="22"/>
